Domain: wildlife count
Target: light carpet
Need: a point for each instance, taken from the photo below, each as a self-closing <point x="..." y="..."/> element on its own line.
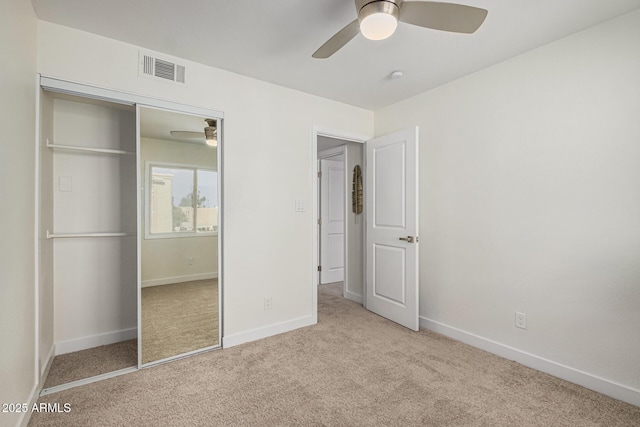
<point x="82" y="364"/>
<point x="353" y="368"/>
<point x="179" y="318"/>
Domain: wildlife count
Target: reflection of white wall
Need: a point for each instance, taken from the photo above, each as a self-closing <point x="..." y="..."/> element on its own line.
<point x="177" y="260"/>
<point x="172" y="260"/>
<point x="207" y="219"/>
<point x="161" y="205"/>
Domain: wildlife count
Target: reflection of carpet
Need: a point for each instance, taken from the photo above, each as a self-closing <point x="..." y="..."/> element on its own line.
<point x="179" y="318"/>
<point x="353" y="368"/>
<point x="91" y="362"/>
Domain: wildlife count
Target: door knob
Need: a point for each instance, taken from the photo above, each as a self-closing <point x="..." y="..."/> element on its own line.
<point x="407" y="239"/>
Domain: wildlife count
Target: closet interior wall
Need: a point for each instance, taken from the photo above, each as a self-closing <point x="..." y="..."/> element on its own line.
<point x="87" y="285"/>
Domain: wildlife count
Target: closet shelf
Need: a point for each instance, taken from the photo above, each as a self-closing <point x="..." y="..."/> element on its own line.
<point x="90" y="149"/>
<point x="72" y="235"/>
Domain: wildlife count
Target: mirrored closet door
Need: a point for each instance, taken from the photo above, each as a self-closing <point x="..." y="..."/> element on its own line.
<point x="178" y="242"/>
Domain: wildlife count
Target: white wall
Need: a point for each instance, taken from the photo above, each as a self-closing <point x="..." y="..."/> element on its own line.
<point x="166" y="260"/>
<point x="17" y="184"/>
<point x="267" y="160"/>
<point x="354" y="227"/>
<point x="530" y="202"/>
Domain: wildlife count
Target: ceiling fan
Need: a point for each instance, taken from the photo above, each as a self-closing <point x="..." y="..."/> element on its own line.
<point x="210" y="133"/>
<point x="378" y="19"/>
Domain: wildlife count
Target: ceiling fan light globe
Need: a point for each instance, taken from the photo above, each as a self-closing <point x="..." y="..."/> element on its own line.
<point x="378" y="26"/>
<point x="210" y="133"/>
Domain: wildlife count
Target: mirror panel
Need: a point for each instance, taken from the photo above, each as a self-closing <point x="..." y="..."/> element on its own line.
<point x="179" y="291"/>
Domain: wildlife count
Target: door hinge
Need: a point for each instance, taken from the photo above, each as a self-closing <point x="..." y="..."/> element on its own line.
<point x="319" y="221"/>
<point x="319" y="174"/>
<point x="319" y="268"/>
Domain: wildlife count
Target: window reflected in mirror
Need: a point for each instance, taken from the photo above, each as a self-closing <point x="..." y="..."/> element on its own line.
<point x="182" y="200"/>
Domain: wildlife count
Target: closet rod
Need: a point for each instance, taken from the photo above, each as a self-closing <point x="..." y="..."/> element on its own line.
<point x="71" y="235"/>
<point x="94" y="150"/>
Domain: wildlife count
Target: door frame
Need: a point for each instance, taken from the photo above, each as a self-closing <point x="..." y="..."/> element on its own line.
<point x="315" y="277"/>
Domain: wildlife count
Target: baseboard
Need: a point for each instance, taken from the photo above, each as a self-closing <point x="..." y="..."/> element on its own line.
<point x="585" y="379"/>
<point x="23" y="421"/>
<point x="47" y="365"/>
<point x="267" y="331"/>
<point x="35" y="392"/>
<point x="95" y="340"/>
<point x="178" y="279"/>
<point x="353" y="297"/>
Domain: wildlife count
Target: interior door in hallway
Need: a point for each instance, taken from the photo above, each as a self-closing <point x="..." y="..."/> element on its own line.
<point x="332" y="221"/>
<point x="391" y="197"/>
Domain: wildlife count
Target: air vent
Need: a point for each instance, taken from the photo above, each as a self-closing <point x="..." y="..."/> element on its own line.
<point x="154" y="67"/>
<point x="180" y="73"/>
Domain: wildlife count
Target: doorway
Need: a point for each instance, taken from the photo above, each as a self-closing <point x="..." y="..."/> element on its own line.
<point x="389" y="285"/>
<point x="338" y="234"/>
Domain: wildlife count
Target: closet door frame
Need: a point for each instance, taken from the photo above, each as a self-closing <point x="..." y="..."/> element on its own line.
<point x="114" y="96"/>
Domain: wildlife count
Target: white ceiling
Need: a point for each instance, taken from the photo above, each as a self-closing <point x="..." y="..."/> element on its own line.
<point x="273" y="40"/>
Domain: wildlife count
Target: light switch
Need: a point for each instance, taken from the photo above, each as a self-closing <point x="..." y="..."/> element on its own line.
<point x="64" y="184"/>
<point x="301" y="206"/>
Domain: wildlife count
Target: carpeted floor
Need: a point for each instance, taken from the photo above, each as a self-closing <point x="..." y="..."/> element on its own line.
<point x="179" y="318"/>
<point x="352" y="368"/>
<point x="79" y="365"/>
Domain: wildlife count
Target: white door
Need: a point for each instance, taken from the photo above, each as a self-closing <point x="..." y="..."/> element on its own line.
<point x="391" y="197"/>
<point x="332" y="221"/>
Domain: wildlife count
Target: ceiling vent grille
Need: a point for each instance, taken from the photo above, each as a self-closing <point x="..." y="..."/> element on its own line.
<point x="157" y="68"/>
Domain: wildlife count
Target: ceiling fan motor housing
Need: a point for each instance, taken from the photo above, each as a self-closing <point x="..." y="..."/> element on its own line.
<point x="378" y="20"/>
<point x="369" y="7"/>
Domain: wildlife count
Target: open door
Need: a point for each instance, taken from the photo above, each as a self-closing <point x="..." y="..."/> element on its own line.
<point x="391" y="196"/>
<point x="332" y="221"/>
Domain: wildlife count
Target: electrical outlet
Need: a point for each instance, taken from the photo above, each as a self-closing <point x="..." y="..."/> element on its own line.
<point x="190" y="260"/>
<point x="521" y="320"/>
<point x="267" y="303"/>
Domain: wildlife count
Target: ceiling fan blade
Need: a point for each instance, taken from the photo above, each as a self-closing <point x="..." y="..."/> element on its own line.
<point x="338" y="40"/>
<point x="186" y="134"/>
<point x="456" y="18"/>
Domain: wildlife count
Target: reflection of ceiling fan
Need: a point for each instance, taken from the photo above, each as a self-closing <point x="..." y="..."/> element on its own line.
<point x="378" y="19"/>
<point x="210" y="133"/>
